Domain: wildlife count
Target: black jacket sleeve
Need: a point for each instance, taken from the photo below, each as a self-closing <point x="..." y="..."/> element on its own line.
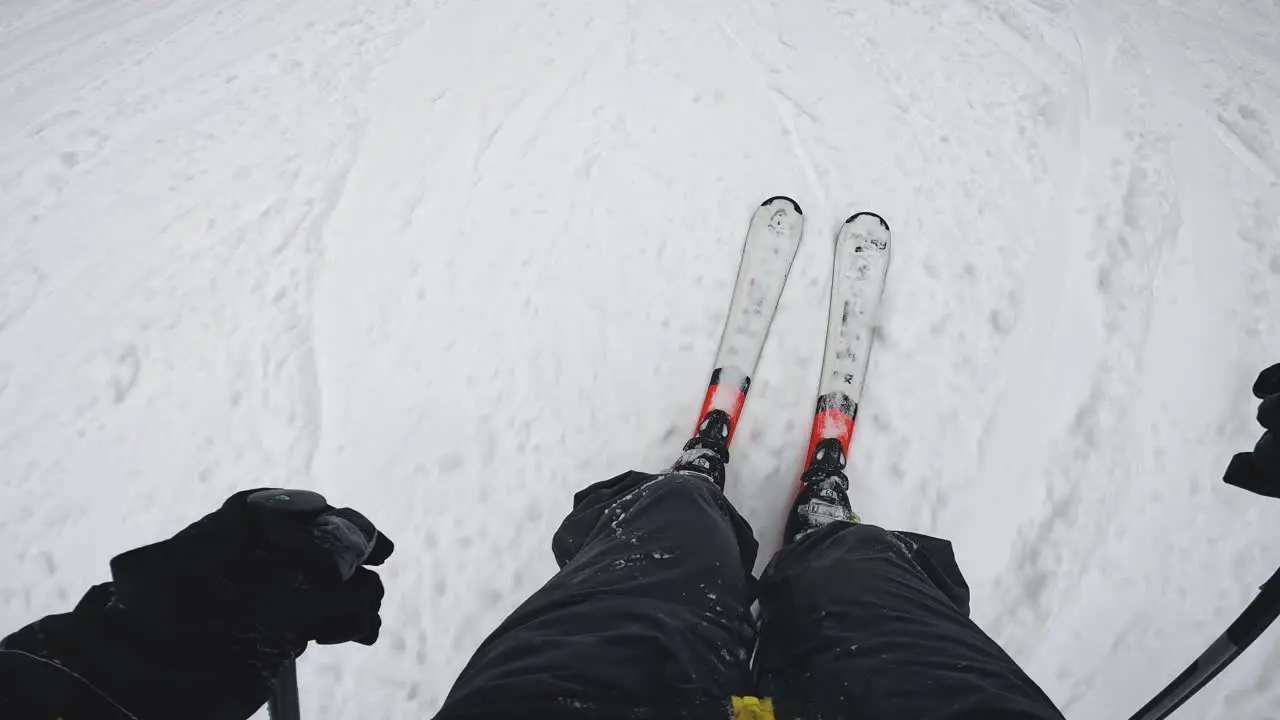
<point x="103" y="662"/>
<point x="37" y="689"/>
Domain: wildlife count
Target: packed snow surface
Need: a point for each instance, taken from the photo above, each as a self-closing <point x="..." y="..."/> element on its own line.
<point x="448" y="263"/>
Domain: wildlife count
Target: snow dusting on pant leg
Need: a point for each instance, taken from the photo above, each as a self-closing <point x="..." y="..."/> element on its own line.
<point x="651" y="607"/>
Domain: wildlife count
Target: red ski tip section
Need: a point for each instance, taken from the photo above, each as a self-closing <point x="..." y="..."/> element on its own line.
<point x="729" y="399"/>
<point x="834" y="418"/>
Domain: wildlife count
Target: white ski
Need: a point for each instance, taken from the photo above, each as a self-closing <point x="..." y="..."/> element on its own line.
<point x="772" y="240"/>
<point x="857" y="283"/>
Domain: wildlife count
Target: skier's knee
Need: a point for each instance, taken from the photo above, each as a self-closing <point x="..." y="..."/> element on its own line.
<point x="692" y="483"/>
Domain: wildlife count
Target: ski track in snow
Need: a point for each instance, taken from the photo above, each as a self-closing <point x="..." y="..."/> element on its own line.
<point x="450" y="262"/>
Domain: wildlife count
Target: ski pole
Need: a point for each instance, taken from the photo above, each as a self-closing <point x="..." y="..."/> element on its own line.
<point x="1260" y="613"/>
<point x="283" y="704"/>
<point x="277" y="511"/>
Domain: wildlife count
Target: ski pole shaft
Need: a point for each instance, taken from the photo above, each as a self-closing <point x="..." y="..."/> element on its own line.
<point x="1260" y="613"/>
<point x="283" y="704"/>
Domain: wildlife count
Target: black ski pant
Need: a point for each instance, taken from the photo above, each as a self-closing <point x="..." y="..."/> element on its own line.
<point x="650" y="616"/>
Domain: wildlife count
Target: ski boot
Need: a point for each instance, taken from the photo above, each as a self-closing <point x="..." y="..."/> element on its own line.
<point x="824" y="494"/>
<point x="707" y="452"/>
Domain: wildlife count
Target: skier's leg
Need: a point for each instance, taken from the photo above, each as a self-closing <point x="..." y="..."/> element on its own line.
<point x="651" y="607"/>
<point x="861" y="622"/>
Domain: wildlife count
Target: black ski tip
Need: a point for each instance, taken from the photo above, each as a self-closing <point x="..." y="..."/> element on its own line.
<point x="794" y="204"/>
<point x="857" y="215"/>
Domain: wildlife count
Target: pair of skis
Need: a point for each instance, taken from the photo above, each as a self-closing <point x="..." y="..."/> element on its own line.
<point x="857" y="283"/>
<point x="858" y="277"/>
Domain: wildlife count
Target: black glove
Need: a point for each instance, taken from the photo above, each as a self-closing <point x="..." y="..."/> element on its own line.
<point x="273" y="569"/>
<point x="1259" y="471"/>
<point x="199" y="626"/>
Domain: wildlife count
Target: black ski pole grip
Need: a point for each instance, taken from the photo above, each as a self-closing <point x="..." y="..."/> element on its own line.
<point x="286" y="503"/>
<point x="283" y="515"/>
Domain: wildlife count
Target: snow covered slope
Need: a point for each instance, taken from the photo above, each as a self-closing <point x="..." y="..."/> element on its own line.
<point x="449" y="262"/>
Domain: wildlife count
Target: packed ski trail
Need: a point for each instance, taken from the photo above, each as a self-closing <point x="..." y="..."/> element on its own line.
<point x="449" y="263"/>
